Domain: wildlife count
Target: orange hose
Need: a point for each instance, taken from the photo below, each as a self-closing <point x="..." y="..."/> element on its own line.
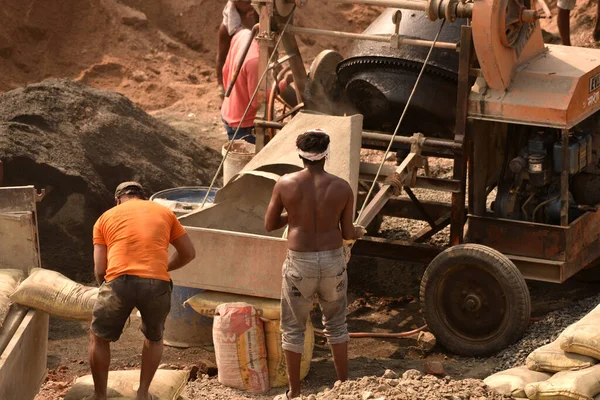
<point x="379" y="334"/>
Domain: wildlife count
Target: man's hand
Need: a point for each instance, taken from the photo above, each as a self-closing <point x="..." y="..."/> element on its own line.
<point x="359" y="231"/>
<point x="221" y="92"/>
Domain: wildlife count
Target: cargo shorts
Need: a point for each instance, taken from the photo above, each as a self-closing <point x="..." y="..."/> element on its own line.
<point x="118" y="298"/>
<point x="309" y="277"/>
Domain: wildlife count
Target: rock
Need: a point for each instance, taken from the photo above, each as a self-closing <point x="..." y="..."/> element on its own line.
<point x="367" y="395"/>
<point x="193" y="78"/>
<point x="412" y="374"/>
<point x="207" y="367"/>
<point x="134" y="18"/>
<point x="383" y="388"/>
<point x="139" y="76"/>
<point x="389" y="374"/>
<point x="426" y="341"/>
<point x="394" y="382"/>
<point x="311" y="397"/>
<point x="434" y="368"/>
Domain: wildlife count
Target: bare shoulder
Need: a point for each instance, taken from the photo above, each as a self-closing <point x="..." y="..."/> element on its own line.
<point x="340" y="184"/>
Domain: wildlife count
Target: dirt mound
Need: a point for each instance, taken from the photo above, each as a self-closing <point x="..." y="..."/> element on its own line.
<point x="78" y="143"/>
<point x="159" y="53"/>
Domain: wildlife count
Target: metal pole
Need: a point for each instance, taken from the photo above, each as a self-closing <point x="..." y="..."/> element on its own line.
<point x="375" y="38"/>
<point x="427" y="142"/>
<point x="564" y="180"/>
<point x="408" y="4"/>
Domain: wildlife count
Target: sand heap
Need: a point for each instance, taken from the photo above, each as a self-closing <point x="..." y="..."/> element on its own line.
<point x="78" y="143"/>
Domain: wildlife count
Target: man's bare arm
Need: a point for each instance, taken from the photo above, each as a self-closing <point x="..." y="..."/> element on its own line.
<point x="184" y="254"/>
<point x="223" y="44"/>
<point x="349" y="231"/>
<point x="100" y="262"/>
<point x="275" y="218"/>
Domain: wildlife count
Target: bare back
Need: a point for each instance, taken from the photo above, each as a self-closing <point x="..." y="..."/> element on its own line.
<point x="315" y="203"/>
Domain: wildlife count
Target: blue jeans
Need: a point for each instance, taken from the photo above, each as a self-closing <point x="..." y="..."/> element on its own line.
<point x="247" y="132"/>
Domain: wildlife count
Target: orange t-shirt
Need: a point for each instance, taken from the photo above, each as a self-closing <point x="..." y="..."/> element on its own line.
<point x="137" y="235"/>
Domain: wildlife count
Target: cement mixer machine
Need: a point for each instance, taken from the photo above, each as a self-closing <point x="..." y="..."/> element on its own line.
<point x="470" y="81"/>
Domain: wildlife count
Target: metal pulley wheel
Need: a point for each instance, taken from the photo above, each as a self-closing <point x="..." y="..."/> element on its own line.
<point x="284" y="7"/>
<point x="475" y="300"/>
<point x="280" y="106"/>
<point x="514" y="14"/>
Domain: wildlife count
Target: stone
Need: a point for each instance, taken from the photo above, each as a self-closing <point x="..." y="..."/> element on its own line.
<point x="389" y="374"/>
<point x="367" y="395"/>
<point x="434" y="368"/>
<point x="426" y="341"/>
<point x="411" y="374"/>
<point x="207" y="367"/>
<point x="139" y="76"/>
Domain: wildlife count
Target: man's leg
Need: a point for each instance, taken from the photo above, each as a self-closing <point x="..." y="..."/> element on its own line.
<point x="154" y="304"/>
<point x="340" y="360"/>
<point x="564" y="28"/>
<point x="151" y="356"/>
<point x="111" y="310"/>
<point x="295" y="309"/>
<point x="333" y="301"/>
<point x="99" y="363"/>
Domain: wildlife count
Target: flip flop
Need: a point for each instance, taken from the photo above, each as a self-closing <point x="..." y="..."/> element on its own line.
<point x="282" y="396"/>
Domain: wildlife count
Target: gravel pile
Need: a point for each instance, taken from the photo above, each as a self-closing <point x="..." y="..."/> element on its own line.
<point x="544" y="332"/>
<point x="412" y="385"/>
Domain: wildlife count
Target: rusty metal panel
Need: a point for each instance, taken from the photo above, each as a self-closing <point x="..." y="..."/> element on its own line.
<point x="539" y="270"/>
<point x="519" y="238"/>
<point x="395" y="250"/>
<point x="234" y="262"/>
<point x="17" y="199"/>
<point x="583" y="243"/>
<point x="558" y="89"/>
<point x="18" y="241"/>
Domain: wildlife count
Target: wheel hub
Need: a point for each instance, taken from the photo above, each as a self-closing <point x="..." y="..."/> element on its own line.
<point x="472" y="302"/>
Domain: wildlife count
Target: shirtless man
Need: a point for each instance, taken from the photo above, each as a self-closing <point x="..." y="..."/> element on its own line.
<point x="320" y="207"/>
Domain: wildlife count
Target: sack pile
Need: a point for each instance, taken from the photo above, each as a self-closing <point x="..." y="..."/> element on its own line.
<point x="565" y="369"/>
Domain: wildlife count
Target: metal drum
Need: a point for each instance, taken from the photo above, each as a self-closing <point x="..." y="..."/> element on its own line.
<point x="184" y="327"/>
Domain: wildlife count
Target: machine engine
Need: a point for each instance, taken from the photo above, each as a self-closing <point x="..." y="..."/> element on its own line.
<point x="532" y="169"/>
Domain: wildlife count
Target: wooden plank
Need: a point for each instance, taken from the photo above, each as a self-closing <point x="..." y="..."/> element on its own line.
<point x="17" y="199"/>
<point x="23" y="362"/>
<point x="18" y="241"/>
<point x="234" y="262"/>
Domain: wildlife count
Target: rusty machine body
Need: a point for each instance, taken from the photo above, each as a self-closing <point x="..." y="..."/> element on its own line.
<point x="519" y="119"/>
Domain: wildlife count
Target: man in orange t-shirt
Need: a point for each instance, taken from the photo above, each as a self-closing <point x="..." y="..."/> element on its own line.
<point x="132" y="264"/>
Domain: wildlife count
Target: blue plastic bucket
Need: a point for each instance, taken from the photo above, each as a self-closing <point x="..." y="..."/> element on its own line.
<point x="184" y="200"/>
<point x="184" y="327"/>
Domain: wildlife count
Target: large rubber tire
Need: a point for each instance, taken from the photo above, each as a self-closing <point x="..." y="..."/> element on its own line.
<point x="475" y="300"/>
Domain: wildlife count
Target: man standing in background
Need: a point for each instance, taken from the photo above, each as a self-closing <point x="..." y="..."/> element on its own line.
<point x="564" y="20"/>
<point x="232" y="24"/>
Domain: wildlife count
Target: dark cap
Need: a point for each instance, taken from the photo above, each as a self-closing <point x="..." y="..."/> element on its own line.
<point x="128" y="188"/>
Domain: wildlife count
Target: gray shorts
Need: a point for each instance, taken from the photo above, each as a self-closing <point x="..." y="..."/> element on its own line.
<point x="118" y="298"/>
<point x="308" y="277"/>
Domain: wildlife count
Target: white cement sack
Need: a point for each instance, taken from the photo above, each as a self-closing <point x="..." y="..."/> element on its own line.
<point x="240" y="351"/>
<point x="9" y="280"/>
<point x="513" y="381"/>
<point x="583" y="337"/>
<point x="567" y="385"/>
<point x="57" y="295"/>
<point x="552" y="358"/>
<point x="166" y="385"/>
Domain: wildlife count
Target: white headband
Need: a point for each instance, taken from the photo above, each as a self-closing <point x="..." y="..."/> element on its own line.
<point x="313" y="156"/>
